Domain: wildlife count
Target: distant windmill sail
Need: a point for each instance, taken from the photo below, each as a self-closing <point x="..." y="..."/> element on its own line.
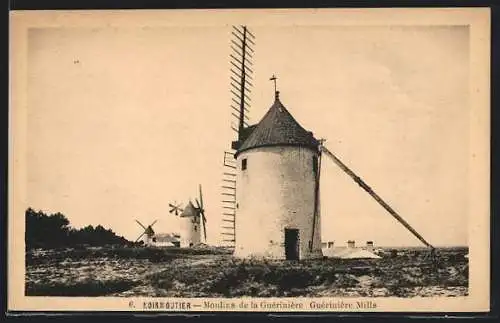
<point x="148" y="230"/>
<point x="377" y="198"/>
<point x="201" y="211"/>
<point x="241" y="79"/>
<point x="175" y="208"/>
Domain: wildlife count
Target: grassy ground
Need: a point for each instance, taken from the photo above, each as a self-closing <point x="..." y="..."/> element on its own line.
<point x="214" y="273"/>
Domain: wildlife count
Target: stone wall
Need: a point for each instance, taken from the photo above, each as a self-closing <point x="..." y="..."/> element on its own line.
<point x="275" y="192"/>
<point x="190" y="235"/>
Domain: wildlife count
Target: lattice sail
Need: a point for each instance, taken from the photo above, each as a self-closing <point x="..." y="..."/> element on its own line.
<point x="229" y="199"/>
<point x="240" y="88"/>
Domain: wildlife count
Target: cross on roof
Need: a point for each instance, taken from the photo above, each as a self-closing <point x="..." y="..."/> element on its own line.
<point x="274" y="78"/>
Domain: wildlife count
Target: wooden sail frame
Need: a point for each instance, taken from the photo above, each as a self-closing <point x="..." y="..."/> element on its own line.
<point x="240" y="88"/>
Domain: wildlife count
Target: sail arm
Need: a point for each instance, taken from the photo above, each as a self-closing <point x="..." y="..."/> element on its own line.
<point x="377" y="198"/>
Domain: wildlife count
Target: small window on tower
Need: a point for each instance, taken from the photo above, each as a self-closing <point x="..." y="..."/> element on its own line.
<point x="195" y="228"/>
<point x="244" y="164"/>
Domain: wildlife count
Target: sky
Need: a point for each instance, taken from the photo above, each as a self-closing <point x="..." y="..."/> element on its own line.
<point x="123" y="121"/>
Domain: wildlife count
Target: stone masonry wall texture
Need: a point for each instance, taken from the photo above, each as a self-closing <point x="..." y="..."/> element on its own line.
<point x="189" y="234"/>
<point x="275" y="192"/>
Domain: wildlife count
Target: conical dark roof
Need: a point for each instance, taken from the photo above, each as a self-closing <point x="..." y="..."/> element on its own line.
<point x="278" y="127"/>
<point x="149" y="231"/>
<point x="189" y="210"/>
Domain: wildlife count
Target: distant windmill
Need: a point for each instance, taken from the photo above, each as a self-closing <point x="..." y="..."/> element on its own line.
<point x="175" y="208"/>
<point x="201" y="213"/>
<point x="193" y="218"/>
<point x="148" y="231"/>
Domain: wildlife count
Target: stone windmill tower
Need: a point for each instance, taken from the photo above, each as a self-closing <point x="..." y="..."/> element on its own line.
<point x="272" y="177"/>
<point x="193" y="222"/>
<point x="271" y="182"/>
<point x="190" y="227"/>
<point x="277" y="184"/>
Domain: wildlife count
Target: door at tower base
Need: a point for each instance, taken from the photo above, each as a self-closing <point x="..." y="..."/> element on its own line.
<point x="292" y="244"/>
<point x="275" y="198"/>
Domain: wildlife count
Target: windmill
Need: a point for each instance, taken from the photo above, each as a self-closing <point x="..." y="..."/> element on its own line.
<point x="201" y="214"/>
<point x="241" y="83"/>
<point x="192" y="218"/>
<point x="277" y="130"/>
<point x="148" y="231"/>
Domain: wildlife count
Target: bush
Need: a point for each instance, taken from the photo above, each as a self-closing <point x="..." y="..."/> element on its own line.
<point x="53" y="231"/>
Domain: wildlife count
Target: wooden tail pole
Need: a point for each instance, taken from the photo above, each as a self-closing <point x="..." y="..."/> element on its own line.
<point x="316" y="198"/>
<point x="377" y="198"/>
